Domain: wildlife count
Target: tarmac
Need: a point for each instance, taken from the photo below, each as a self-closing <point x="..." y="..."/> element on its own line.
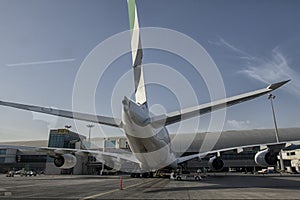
<point x="214" y="186"/>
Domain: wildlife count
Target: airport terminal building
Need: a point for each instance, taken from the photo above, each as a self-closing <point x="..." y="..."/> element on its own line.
<point x="12" y="158"/>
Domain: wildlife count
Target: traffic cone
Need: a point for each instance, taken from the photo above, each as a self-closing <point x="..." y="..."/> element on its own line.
<point x="121" y="183"/>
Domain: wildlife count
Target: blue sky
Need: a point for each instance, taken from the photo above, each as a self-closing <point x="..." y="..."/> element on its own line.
<point x="43" y="44"/>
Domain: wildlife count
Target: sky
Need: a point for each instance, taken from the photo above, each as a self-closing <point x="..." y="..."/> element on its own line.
<point x="46" y="43"/>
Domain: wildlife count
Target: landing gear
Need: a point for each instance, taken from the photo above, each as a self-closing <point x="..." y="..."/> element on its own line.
<point x="183" y="167"/>
<point x="135" y="175"/>
<point x="151" y="174"/>
<point x="147" y="175"/>
<point x="144" y="175"/>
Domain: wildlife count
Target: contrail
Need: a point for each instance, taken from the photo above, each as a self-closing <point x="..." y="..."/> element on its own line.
<point x="41" y="62"/>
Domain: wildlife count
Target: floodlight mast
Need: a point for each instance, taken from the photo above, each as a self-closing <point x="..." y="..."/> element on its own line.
<point x="271" y="97"/>
<point x="90" y="126"/>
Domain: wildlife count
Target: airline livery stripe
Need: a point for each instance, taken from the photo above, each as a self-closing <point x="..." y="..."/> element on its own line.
<point x="131" y="12"/>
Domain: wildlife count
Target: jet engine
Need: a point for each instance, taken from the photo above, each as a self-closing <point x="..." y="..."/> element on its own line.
<point x="65" y="161"/>
<point x="266" y="158"/>
<point x="215" y="163"/>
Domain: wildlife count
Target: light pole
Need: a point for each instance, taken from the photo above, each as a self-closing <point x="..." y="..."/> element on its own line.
<point x="90" y="126"/>
<point x="103" y="149"/>
<point x="271" y="97"/>
<point x="68" y="127"/>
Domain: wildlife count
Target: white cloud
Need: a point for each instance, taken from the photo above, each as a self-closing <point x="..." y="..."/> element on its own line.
<point x="275" y="68"/>
<point x="50" y="120"/>
<point x="235" y="124"/>
<point x="242" y="54"/>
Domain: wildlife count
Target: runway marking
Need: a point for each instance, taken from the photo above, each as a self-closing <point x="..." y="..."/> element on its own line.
<point x="114" y="190"/>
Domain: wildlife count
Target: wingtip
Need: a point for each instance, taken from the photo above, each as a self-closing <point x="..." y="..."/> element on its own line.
<point x="274" y="86"/>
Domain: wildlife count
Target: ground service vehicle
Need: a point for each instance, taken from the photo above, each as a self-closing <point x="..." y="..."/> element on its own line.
<point x="185" y="176"/>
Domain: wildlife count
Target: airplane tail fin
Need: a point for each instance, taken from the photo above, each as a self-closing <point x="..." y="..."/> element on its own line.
<point x="137" y="54"/>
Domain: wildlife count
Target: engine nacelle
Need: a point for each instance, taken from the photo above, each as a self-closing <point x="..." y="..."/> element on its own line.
<point x="216" y="163"/>
<point x="65" y="161"/>
<point x="266" y="158"/>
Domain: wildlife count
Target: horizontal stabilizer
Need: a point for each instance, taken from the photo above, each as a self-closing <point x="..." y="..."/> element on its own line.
<point x="68" y="114"/>
<point x="277" y="85"/>
<point x="188" y="113"/>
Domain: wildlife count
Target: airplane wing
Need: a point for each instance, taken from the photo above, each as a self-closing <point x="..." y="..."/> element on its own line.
<point x="274" y="146"/>
<point x="120" y="160"/>
<point x="187" y="113"/>
<point x="60" y="151"/>
<point x="68" y="114"/>
<point x="112" y="159"/>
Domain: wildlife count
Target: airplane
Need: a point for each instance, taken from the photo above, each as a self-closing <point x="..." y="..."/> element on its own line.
<point x="147" y="134"/>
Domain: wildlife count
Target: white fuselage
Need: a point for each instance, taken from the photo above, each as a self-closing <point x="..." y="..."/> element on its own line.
<point x="151" y="145"/>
